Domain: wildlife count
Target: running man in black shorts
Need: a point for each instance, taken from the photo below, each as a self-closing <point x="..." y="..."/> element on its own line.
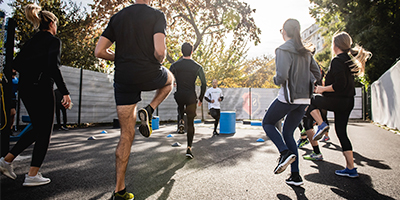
<point x="139" y="35"/>
<point x="186" y="72"/>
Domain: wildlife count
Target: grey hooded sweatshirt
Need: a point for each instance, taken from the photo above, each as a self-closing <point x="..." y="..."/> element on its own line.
<point x="295" y="73"/>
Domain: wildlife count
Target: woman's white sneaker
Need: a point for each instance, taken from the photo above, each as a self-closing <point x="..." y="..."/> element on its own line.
<point x="35" y="180"/>
<point x="7" y="169"/>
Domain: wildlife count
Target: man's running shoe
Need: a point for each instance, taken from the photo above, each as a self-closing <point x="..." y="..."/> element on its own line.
<point x="303" y="132"/>
<point x="321" y="131"/>
<point x="301" y="142"/>
<point x="352" y="173"/>
<point x="181" y="127"/>
<point x="313" y="156"/>
<point x="325" y="139"/>
<point x="215" y="133"/>
<point x="189" y="153"/>
<point x="285" y="159"/>
<point x="295" y="180"/>
<point x="126" y="196"/>
<point x="7" y="169"/>
<point x="145" y="126"/>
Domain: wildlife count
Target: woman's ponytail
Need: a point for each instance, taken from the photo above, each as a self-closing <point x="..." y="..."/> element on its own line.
<point x="40" y="19"/>
<point x="32" y="14"/>
<point x="359" y="55"/>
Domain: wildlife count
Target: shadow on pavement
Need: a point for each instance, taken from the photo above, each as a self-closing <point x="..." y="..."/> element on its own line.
<point x="348" y="188"/>
<point x="358" y="158"/>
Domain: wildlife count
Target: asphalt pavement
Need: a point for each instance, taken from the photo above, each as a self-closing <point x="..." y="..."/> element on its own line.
<point x="228" y="166"/>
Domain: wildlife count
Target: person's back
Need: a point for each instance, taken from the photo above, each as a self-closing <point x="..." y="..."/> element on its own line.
<point x="33" y="64"/>
<point x="132" y="29"/>
<point x="186" y="72"/>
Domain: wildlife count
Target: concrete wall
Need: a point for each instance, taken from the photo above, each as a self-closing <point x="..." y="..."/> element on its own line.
<point x="385" y="98"/>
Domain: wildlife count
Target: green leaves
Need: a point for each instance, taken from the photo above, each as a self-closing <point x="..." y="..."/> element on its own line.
<point x="373" y="24"/>
<point x="75" y="30"/>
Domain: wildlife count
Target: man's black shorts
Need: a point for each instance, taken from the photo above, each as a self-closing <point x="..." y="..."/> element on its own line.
<point x="126" y="94"/>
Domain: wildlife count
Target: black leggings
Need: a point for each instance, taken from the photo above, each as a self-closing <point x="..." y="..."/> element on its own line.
<point x="191" y="114"/>
<point x="60" y="107"/>
<point x="341" y="107"/>
<point x="308" y="120"/>
<point x="40" y="106"/>
<point x="215" y="113"/>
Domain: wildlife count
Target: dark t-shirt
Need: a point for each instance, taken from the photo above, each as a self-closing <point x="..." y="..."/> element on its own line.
<point x="132" y="29"/>
<point x="186" y="72"/>
<point x="340" y="77"/>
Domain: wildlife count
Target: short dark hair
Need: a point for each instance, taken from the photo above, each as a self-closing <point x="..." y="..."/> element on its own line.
<point x="187" y="49"/>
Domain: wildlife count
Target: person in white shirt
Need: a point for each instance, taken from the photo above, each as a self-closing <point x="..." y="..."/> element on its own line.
<point x="214" y="96"/>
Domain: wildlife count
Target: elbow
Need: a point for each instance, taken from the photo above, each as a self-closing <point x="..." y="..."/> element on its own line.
<point x="160" y="55"/>
<point x="97" y="53"/>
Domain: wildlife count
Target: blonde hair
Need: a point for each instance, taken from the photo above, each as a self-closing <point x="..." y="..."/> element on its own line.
<point x="359" y="55"/>
<point x="40" y="19"/>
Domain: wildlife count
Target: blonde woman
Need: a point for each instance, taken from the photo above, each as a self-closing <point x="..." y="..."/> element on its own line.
<point x="38" y="65"/>
<point x="338" y="94"/>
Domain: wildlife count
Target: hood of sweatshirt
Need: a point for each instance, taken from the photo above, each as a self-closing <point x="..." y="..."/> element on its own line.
<point x="288" y="46"/>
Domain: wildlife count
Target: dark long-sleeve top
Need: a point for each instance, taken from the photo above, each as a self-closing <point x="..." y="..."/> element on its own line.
<point x="186" y="72"/>
<point x="340" y="77"/>
<point x="38" y="63"/>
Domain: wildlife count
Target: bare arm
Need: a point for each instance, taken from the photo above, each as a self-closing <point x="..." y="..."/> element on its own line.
<point x="322" y="89"/>
<point x="102" y="49"/>
<point x="160" y="48"/>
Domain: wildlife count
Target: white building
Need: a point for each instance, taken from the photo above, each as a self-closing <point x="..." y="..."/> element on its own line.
<point x="312" y="35"/>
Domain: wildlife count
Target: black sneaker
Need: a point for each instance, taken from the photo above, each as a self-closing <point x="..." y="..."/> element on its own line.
<point x="145" y="126"/>
<point x="286" y="158"/>
<point x="126" y="196"/>
<point x="181" y="127"/>
<point x="189" y="153"/>
<point x="215" y="133"/>
<point x="295" y="180"/>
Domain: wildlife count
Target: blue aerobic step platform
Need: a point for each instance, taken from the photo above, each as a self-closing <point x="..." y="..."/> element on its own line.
<point x="256" y="123"/>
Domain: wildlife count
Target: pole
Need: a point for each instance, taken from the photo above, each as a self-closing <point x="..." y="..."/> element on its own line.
<point x="7" y="88"/>
<point x="250" y="102"/>
<point x="80" y="97"/>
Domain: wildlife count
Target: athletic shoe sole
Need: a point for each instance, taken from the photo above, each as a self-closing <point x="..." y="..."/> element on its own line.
<point x="347" y="175"/>
<point x="282" y="167"/>
<point x="36" y="183"/>
<point x="294" y="183"/>
<point x="188" y="155"/>
<point x="181" y="129"/>
<point x="313" y="159"/>
<point x="320" y="134"/>
<point x="144" y="127"/>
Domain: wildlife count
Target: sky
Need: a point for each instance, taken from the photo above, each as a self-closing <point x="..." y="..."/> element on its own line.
<point x="269" y="17"/>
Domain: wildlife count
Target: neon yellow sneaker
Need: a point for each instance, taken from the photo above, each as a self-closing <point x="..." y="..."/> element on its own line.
<point x="145" y="126"/>
<point x="126" y="196"/>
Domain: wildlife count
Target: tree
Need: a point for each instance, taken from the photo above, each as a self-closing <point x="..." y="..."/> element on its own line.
<point x="195" y="21"/>
<point x="259" y="72"/>
<point x="373" y="24"/>
<point x="74" y="30"/>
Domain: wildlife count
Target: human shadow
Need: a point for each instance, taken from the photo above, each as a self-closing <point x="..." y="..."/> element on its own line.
<point x="300" y="193"/>
<point x="358" y="158"/>
<point x="347" y="188"/>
